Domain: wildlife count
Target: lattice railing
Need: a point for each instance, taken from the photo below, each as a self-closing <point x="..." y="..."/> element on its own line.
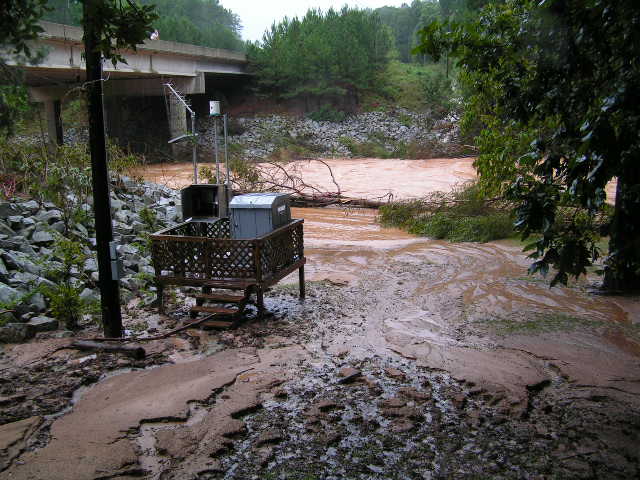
<point x="218" y="229"/>
<point x="281" y="249"/>
<point x="204" y="251"/>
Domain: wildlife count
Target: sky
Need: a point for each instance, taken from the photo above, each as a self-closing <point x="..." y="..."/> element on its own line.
<point x="257" y="16"/>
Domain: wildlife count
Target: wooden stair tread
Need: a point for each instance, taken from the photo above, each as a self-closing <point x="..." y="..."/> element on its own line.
<point x="216" y="324"/>
<point x="231" y="284"/>
<point x="221" y="297"/>
<point x="220" y="310"/>
<point x="212" y="323"/>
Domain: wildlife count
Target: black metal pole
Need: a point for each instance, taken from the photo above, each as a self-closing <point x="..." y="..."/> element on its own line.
<point x="109" y="289"/>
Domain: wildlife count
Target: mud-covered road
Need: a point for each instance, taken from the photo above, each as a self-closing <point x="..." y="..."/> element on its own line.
<point x="410" y="359"/>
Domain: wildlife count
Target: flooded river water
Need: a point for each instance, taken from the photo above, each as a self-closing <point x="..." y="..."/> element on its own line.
<point x="343" y="243"/>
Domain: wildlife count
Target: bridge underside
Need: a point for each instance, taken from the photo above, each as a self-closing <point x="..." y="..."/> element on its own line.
<point x="191" y="69"/>
<point x="135" y="104"/>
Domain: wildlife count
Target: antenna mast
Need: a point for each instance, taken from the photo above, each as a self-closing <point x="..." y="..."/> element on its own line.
<point x="192" y="136"/>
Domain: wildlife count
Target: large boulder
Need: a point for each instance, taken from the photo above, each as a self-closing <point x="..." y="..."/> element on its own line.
<point x="42" y="237"/>
<point x="43" y="324"/>
<point x="7" y="209"/>
<point x="121" y="216"/>
<point x="8" y="294"/>
<point x="16" y="332"/>
<point x="37" y="302"/>
<point x="20" y="279"/>
<point x="15" y="222"/>
<point x="7" y="316"/>
<point x="6" y="229"/>
<point x="21" y="262"/>
<point x="91" y="265"/>
<point x="4" y="272"/>
<point x="90" y="295"/>
<point x="29" y="208"/>
<point x="49" y="217"/>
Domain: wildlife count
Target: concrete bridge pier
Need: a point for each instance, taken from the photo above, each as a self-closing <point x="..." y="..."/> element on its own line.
<point x="52" y="111"/>
<point x="50" y="97"/>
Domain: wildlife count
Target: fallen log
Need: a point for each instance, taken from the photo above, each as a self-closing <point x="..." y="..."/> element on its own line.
<point x="326" y="200"/>
<point x="136" y="352"/>
<point x="150" y="339"/>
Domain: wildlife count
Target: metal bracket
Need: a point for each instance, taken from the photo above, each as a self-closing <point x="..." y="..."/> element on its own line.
<point x="117" y="268"/>
<point x="186" y="136"/>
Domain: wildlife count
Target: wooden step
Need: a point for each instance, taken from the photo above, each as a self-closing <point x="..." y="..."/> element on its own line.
<point x="221" y="298"/>
<point x="212" y="323"/>
<point x="230" y="284"/>
<point x="216" y="324"/>
<point x="218" y="310"/>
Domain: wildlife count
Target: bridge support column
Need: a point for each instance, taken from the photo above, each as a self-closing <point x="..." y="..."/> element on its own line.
<point x="113" y="116"/>
<point x="54" y="122"/>
<point x="177" y="116"/>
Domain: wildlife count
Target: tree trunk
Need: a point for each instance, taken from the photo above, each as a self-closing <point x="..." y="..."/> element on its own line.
<point x="622" y="269"/>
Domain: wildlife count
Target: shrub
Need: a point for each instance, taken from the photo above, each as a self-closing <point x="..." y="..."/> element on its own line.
<point x="463" y="215"/>
<point x="328" y="114"/>
<point x="372" y="148"/>
<point x="64" y="295"/>
<point x="481" y="228"/>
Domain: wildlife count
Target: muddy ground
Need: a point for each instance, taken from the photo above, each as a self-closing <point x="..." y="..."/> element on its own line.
<point x="409" y="359"/>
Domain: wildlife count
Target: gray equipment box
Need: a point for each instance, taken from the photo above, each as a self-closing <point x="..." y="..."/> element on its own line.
<point x="255" y="214"/>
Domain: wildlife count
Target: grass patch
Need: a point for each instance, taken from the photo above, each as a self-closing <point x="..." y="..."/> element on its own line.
<point x="372" y="148"/>
<point x="463" y="215"/>
<point x="414" y="87"/>
<point x="537" y="323"/>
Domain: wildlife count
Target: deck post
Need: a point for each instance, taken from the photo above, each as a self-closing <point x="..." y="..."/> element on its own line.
<point x="257" y="256"/>
<point x="260" y="302"/>
<point x="301" y="282"/>
<point x="160" y="297"/>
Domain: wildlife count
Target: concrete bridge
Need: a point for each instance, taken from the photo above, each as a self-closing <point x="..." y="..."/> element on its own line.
<point x="193" y="70"/>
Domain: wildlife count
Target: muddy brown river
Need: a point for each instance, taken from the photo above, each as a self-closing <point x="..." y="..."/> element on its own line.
<point x="343" y="242"/>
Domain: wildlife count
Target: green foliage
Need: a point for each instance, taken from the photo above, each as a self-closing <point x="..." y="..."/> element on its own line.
<point x="62" y="177"/>
<point x="68" y="12"/>
<point x="18" y="24"/>
<point x="536" y="323"/>
<point x="149" y="218"/>
<point x="64" y="296"/>
<point x="12" y="304"/>
<point x="14" y="103"/>
<point x="461" y="9"/>
<point x="414" y="87"/>
<point x="455" y="228"/>
<point x="18" y="27"/>
<point x="462" y="216"/>
<point x="123" y="163"/>
<point x="328" y="114"/>
<point x="372" y="148"/>
<point x="198" y="22"/>
<point x="329" y="55"/>
<point x="118" y="25"/>
<point x="405" y="21"/>
<point x="562" y="76"/>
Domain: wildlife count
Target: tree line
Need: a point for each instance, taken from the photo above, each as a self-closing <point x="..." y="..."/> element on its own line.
<point x="407" y="20"/>
<point x="328" y="54"/>
<point x="198" y="22"/>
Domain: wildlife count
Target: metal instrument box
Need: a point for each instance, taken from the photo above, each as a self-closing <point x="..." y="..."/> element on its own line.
<point x="255" y="214"/>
